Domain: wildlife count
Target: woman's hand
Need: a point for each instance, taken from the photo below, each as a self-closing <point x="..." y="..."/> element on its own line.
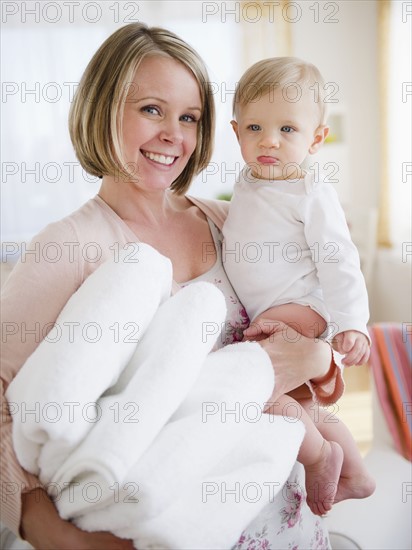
<point x="295" y="358"/>
<point x="43" y="528"/>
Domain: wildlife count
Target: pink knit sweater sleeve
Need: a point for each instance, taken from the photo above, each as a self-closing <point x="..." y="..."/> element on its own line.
<point x="50" y="270"/>
<point x="32" y="298"/>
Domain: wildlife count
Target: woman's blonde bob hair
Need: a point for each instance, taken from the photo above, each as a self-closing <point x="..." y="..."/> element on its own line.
<point x="95" y="118"/>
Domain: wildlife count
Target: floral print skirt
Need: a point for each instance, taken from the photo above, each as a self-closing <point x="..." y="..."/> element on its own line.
<point x="287" y="523"/>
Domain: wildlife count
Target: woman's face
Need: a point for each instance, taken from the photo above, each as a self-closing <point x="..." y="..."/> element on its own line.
<point x="160" y="120"/>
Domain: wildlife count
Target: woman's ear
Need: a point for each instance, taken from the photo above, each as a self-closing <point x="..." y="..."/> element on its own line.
<point x="321" y="133"/>
<point x="235" y="127"/>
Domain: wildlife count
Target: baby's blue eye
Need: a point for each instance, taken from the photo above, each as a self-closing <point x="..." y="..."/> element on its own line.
<point x="287" y="129"/>
<point x="254" y="127"/>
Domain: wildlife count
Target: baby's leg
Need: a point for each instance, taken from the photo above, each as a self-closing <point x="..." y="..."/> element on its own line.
<point x="322" y="459"/>
<point x="303" y="319"/>
<point x="354" y="481"/>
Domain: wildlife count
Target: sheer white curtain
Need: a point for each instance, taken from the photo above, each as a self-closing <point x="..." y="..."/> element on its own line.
<point x="46" y="47"/>
<point x="41" y="178"/>
<point x="399" y="123"/>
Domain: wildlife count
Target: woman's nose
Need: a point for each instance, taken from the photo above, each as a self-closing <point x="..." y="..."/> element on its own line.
<point x="171" y="131"/>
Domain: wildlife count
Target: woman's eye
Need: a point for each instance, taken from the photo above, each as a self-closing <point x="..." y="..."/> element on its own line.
<point x="254" y="127"/>
<point x="188" y="118"/>
<point x="151" y="110"/>
<point x="287" y="129"/>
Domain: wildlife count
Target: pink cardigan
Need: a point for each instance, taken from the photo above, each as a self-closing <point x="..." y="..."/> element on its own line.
<point x="50" y="270"/>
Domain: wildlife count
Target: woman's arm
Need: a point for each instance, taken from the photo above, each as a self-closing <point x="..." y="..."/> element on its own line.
<point x="297" y="359"/>
<point x="31" y="300"/>
<point x="43" y="528"/>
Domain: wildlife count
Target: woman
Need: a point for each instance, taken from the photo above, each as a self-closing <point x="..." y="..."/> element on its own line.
<point x="143" y="120"/>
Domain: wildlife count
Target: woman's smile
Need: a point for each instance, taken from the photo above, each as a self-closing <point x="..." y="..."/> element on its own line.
<point x="160" y="158"/>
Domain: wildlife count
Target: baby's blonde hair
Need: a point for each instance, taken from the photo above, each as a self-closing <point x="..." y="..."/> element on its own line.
<point x="276" y="73"/>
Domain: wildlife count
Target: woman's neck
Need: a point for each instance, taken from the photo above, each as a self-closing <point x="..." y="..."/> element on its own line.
<point x="153" y="206"/>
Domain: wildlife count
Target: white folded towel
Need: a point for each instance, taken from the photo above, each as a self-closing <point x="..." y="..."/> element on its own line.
<point x="158" y="377"/>
<point x="217" y="439"/>
<point x="66" y="374"/>
<point x="214" y="511"/>
<point x="178" y="425"/>
<point x="209" y="423"/>
<point x="190" y="444"/>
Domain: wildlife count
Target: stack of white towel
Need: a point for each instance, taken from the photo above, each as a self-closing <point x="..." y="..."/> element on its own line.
<point x="141" y="430"/>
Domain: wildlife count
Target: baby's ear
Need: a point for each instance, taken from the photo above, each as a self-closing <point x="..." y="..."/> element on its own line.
<point x="321" y="133"/>
<point x="235" y="127"/>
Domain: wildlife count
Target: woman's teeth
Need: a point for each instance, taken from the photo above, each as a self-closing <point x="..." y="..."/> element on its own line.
<point x="161" y="159"/>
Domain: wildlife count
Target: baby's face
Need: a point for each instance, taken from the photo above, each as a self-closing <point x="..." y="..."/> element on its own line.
<point x="276" y="134"/>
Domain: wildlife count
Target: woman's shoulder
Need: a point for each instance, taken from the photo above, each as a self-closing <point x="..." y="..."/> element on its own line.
<point x="214" y="209"/>
<point x="78" y="243"/>
<point x="93" y="222"/>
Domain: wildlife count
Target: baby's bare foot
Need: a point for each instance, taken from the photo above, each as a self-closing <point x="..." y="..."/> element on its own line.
<point x="322" y="478"/>
<point x="358" y="486"/>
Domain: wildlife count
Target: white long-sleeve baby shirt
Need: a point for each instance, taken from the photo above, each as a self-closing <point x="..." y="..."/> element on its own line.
<point x="287" y="241"/>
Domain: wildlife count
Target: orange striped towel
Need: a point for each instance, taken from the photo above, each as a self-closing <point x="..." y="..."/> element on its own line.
<point x="391" y="361"/>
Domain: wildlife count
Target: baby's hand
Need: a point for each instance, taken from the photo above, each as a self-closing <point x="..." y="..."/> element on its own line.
<point x="353" y="345"/>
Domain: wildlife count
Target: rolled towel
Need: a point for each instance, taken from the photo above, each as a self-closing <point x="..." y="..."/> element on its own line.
<point x="216" y="509"/>
<point x="158" y="378"/>
<point x="66" y="375"/>
<point x="217" y="442"/>
<point x="219" y="412"/>
<point x="197" y="437"/>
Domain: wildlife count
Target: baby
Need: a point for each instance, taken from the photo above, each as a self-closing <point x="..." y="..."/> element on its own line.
<point x="289" y="255"/>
